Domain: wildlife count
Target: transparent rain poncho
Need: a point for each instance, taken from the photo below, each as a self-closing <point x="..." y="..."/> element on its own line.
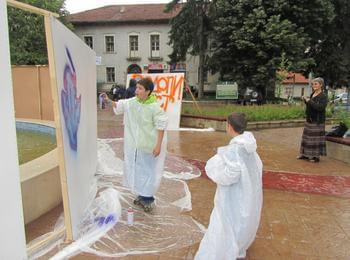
<point x="142" y="121"/>
<point x="234" y="221"/>
<point x="104" y="231"/>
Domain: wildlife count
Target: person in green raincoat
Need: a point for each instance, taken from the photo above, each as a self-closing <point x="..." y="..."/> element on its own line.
<point x="144" y="142"/>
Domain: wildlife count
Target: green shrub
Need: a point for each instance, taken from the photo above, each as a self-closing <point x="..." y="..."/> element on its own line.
<point x="344" y="117"/>
<point x="254" y="113"/>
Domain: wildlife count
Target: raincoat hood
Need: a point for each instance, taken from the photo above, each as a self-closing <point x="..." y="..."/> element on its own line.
<point x="246" y="139"/>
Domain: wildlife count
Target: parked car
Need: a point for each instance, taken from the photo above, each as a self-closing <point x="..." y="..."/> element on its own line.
<point x="341" y="98"/>
<point x="251" y="96"/>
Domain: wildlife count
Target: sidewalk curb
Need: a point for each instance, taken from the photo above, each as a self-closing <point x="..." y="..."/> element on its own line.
<point x="219" y="124"/>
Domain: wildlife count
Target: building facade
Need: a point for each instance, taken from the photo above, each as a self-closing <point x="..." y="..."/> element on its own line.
<point x="294" y="86"/>
<point x="130" y="39"/>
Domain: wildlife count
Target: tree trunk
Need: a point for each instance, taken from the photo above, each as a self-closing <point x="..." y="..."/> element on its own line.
<point x="271" y="87"/>
<point x="201" y="57"/>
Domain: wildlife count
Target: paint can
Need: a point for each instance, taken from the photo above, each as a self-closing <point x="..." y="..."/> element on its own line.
<point x="130" y="214"/>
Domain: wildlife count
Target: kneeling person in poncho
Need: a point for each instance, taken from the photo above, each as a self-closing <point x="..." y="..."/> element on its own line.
<point x="237" y="171"/>
<point x="144" y="143"/>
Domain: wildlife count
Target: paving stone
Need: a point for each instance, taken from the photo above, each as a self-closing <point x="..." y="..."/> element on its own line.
<point x="294" y="225"/>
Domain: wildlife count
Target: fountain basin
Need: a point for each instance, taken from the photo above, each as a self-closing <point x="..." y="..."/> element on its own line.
<point x="40" y="178"/>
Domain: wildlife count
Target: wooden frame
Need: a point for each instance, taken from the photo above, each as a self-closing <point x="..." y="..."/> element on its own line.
<point x="31" y="249"/>
<point x="29" y="8"/>
<point x="67" y="216"/>
<point x="59" y="138"/>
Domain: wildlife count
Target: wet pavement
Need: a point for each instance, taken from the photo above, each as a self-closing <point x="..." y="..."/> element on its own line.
<point x="306" y="210"/>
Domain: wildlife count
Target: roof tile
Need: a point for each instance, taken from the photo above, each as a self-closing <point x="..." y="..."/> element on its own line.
<point x="299" y="79"/>
<point x="124" y="14"/>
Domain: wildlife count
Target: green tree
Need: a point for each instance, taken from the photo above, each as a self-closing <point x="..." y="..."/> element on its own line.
<point x="281" y="74"/>
<point x="253" y="35"/>
<point x="332" y="51"/>
<point x="189" y="33"/>
<point x="27" y="32"/>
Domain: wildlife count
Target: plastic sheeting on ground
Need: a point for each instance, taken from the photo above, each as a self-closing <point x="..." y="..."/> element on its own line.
<point x="105" y="232"/>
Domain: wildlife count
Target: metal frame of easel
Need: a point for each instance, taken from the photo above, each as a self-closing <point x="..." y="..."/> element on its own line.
<point x="195" y="102"/>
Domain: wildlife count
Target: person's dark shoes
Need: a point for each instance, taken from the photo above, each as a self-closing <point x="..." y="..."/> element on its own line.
<point x="302" y="157"/>
<point x="147" y="206"/>
<point x="137" y="201"/>
<point x="314" y="160"/>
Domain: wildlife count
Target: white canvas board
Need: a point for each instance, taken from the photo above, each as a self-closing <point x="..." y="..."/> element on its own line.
<point x="12" y="236"/>
<point x="75" y="66"/>
<point x="169" y="88"/>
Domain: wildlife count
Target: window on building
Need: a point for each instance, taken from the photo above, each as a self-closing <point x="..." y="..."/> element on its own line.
<point x="109" y="41"/>
<point x="89" y="41"/>
<point x="110" y="74"/>
<point x="134" y="45"/>
<point x="155" y="45"/>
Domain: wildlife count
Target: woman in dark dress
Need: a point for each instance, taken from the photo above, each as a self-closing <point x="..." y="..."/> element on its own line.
<point x="313" y="143"/>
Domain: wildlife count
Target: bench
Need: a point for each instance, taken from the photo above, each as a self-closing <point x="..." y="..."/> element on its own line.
<point x="338" y="148"/>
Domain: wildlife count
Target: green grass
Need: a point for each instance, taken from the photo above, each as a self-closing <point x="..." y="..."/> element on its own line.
<point x="254" y="113"/>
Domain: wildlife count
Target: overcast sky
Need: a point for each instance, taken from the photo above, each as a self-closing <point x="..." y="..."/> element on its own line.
<point x="74" y="6"/>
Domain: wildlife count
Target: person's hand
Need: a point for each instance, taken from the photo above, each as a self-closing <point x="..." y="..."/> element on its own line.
<point x="306" y="99"/>
<point x="156" y="150"/>
<point x="107" y="99"/>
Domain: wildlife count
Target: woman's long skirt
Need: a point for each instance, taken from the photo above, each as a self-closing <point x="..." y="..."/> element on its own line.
<point x="313" y="142"/>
